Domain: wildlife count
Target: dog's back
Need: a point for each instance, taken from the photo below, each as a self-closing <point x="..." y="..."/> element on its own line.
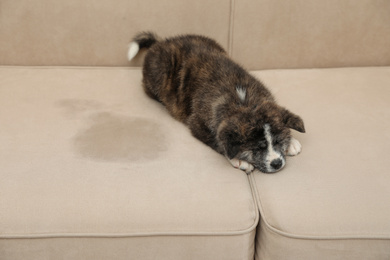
<point x="175" y="69"/>
<point x="182" y="71"/>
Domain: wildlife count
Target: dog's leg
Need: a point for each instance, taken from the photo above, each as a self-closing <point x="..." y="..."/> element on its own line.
<point x="242" y="165"/>
<point x="294" y="148"/>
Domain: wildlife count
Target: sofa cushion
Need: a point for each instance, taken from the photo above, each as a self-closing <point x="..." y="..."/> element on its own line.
<point x="332" y="200"/>
<point x="305" y="34"/>
<point x="97" y="33"/>
<point x="261" y="34"/>
<point x="85" y="154"/>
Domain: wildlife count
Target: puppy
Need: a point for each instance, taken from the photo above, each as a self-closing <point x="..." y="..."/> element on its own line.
<point x="223" y="105"/>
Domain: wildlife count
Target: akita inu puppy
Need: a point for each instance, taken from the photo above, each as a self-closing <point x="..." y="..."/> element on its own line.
<point x="223" y="105"/>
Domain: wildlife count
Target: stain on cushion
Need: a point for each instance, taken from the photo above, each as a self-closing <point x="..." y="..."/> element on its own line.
<point x="112" y="137"/>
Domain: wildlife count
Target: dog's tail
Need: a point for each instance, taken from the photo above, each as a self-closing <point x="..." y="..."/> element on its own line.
<point x="141" y="40"/>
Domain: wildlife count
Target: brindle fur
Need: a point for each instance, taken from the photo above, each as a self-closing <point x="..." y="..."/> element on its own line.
<point x="193" y="77"/>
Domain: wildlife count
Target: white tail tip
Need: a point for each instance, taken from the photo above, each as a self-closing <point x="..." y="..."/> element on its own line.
<point x="133" y="50"/>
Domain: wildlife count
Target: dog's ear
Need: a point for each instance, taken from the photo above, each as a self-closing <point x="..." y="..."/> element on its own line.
<point x="230" y="140"/>
<point x="292" y="121"/>
<point x="232" y="148"/>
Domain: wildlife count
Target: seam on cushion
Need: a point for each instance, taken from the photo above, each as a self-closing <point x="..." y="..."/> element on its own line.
<point x="140" y="68"/>
<point x="69" y="67"/>
<point x="248" y="230"/>
<point x="231" y="28"/>
<point x="135" y="234"/>
<point x="113" y="235"/>
<point x="312" y="237"/>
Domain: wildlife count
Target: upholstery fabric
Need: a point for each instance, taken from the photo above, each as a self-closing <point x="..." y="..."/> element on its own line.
<point x="77" y="184"/>
<point x="132" y="247"/>
<point x="85" y="154"/>
<point x="330" y="201"/>
<point x="97" y="33"/>
<point x="90" y="168"/>
<point x="275" y="34"/>
<point x="265" y="34"/>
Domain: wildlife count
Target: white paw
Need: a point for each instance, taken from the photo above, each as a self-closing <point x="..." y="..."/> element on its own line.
<point x="242" y="165"/>
<point x="294" y="148"/>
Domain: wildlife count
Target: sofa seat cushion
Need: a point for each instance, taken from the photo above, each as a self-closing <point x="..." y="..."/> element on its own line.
<point x="85" y="154"/>
<point x="332" y="200"/>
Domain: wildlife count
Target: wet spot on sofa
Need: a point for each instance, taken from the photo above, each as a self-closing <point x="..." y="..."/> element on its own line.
<point x="113" y="137"/>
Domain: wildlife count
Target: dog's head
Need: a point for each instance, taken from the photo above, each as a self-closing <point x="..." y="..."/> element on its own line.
<point x="259" y="136"/>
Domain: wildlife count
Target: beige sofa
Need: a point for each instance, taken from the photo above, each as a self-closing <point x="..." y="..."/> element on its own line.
<point x="90" y="168"/>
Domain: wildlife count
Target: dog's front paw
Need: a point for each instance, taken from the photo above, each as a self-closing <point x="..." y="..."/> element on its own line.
<point x="242" y="165"/>
<point x="294" y="148"/>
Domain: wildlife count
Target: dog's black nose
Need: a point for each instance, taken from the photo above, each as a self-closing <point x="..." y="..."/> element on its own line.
<point x="276" y="164"/>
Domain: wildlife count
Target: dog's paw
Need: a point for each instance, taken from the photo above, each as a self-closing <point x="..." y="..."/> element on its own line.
<point x="294" y="148"/>
<point x="242" y="165"/>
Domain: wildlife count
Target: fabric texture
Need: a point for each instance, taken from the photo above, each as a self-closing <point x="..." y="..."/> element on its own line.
<point x="86" y="154"/>
<point x="271" y="34"/>
<point x="97" y="33"/>
<point x="138" y="247"/>
<point x="261" y="34"/>
<point x="330" y="201"/>
<point x="90" y="168"/>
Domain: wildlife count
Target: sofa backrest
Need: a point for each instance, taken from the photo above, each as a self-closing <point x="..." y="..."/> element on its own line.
<point x="259" y="34"/>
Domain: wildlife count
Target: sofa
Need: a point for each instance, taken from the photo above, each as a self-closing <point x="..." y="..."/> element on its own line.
<point x="91" y="168"/>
